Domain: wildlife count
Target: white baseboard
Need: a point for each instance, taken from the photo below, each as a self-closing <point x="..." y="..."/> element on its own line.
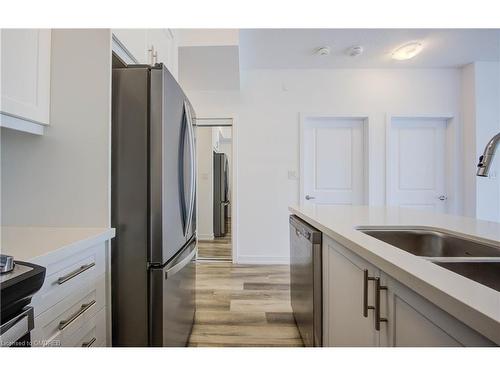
<point x="205" y="237"/>
<point x="251" y="259"/>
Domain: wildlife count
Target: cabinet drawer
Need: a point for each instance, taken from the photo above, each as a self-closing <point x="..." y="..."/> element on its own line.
<point x="91" y="334"/>
<point x="68" y="275"/>
<point x="59" y="323"/>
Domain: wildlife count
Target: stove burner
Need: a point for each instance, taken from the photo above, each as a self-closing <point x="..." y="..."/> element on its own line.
<point x="6" y="263"/>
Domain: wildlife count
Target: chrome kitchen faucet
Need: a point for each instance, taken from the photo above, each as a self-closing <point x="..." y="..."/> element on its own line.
<point x="487" y="157"/>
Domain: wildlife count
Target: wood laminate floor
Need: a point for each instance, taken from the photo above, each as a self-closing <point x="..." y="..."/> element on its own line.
<point x="219" y="248"/>
<point x="242" y="305"/>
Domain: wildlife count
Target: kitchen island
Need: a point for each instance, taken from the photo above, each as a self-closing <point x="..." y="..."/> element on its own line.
<point x="420" y="302"/>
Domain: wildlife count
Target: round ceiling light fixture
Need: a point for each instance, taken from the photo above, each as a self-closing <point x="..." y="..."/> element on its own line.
<point x="355" y="51"/>
<point x="322" y="51"/>
<point x="407" y="51"/>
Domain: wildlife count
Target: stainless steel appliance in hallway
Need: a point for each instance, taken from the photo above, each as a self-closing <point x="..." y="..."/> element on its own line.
<point x="153" y="208"/>
<point x="305" y="280"/>
<point x="221" y="193"/>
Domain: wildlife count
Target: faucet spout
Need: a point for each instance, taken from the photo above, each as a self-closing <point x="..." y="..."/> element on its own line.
<point x="486" y="158"/>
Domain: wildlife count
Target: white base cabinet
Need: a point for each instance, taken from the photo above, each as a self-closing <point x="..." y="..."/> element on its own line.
<point x="352" y="305"/>
<point x="413" y="321"/>
<point x="72" y="308"/>
<point x="345" y="323"/>
<point x="25" y="77"/>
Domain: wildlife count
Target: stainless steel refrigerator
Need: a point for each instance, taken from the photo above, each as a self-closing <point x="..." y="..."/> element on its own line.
<point x="153" y="209"/>
<point x="221" y="193"/>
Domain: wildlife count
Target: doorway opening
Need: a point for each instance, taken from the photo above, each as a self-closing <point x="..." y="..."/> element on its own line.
<point x="214" y="147"/>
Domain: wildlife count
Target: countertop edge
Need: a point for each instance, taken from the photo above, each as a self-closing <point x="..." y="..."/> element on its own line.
<point x="85" y="242"/>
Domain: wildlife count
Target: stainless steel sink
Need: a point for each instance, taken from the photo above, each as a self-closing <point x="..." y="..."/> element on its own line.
<point x="433" y="243"/>
<point x="486" y="273"/>
<point x="482" y="259"/>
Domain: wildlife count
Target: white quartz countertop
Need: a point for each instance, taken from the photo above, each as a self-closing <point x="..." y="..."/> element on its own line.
<point x="474" y="304"/>
<point x="29" y="243"/>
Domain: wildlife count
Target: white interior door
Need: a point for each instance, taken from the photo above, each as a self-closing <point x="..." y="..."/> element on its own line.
<point x="332" y="161"/>
<point x="416" y="163"/>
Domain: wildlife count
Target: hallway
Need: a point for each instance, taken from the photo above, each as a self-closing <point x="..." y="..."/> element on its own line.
<point x="243" y="305"/>
<point x="220" y="248"/>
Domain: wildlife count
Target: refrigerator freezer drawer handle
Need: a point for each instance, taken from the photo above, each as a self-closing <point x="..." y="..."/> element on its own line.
<point x="179" y="266"/>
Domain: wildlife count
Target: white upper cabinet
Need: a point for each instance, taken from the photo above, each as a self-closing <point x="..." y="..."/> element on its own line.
<point x="135" y="43"/>
<point x="148" y="46"/>
<point x="25" y="77"/>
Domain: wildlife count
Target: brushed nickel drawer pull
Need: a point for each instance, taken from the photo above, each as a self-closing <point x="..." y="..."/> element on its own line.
<point x="88" y="343"/>
<point x="64" y="323"/>
<point x="378" y="288"/>
<point x="74" y="273"/>
<point x="366" y="307"/>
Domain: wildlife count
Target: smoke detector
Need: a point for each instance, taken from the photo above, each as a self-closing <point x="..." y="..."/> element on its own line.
<point x="355" y="51"/>
<point x="322" y="51"/>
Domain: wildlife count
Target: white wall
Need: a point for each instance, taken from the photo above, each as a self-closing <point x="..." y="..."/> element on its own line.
<point x="267" y="138"/>
<point x="487" y="125"/>
<point x="62" y="178"/>
<point x="469" y="160"/>
<point x="213" y="68"/>
<point x="205" y="183"/>
<point x="208" y="37"/>
<point x="480" y="98"/>
<point x="215" y="138"/>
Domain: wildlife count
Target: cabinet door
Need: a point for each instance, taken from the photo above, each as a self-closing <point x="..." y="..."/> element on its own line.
<point x="414" y="321"/>
<point x="344" y="323"/>
<point x="135" y="42"/>
<point x="26" y="74"/>
<point x="160" y="40"/>
<point x="164" y="43"/>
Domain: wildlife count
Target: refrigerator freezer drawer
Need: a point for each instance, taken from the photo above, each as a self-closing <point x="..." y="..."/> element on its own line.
<point x="172" y="299"/>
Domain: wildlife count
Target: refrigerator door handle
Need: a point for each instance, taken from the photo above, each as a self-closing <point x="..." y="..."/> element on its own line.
<point x="179" y="266"/>
<point x="182" y="174"/>
<point x="192" y="176"/>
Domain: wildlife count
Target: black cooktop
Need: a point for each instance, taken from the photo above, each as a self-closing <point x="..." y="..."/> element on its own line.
<point x="18" y="286"/>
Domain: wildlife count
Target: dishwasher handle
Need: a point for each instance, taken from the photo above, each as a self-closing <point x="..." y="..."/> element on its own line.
<point x="304" y="230"/>
<point x="302" y="233"/>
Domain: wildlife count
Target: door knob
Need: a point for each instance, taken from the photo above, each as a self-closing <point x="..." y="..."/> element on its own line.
<point x="308" y="197"/>
<point x="442" y="197"/>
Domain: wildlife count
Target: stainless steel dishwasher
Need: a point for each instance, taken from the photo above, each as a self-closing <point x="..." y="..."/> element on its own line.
<point x="305" y="280"/>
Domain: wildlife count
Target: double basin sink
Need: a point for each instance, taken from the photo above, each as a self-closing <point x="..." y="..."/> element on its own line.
<point x="474" y="259"/>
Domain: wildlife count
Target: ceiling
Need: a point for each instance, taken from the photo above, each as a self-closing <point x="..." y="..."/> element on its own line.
<point x="294" y="48"/>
